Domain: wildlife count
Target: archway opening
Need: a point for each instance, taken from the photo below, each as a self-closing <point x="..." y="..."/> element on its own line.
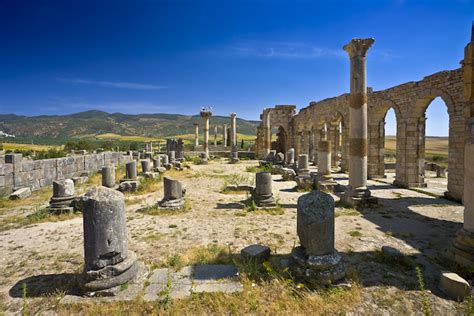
<point x="279" y="139"/>
<point x="436" y="146"/>
<point x="390" y="144"/>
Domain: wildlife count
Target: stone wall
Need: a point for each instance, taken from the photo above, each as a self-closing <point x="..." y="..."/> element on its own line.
<point x="409" y="101"/>
<point x="17" y="171"/>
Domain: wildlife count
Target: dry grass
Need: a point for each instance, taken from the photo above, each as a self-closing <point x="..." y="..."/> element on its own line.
<point x="13" y="146"/>
<point x="433" y="146"/>
<point x="128" y="138"/>
<point x="37" y="199"/>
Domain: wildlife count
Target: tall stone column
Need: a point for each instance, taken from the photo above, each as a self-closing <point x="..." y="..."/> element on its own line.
<point x="196" y="134"/>
<point x="233" y="130"/>
<point x="311" y="145"/>
<point x="357" y="50"/>
<point x="206" y="114"/>
<point x="463" y="245"/>
<point x="302" y="143"/>
<point x="215" y="136"/>
<point x="267" y="131"/>
<point x="224" y="135"/>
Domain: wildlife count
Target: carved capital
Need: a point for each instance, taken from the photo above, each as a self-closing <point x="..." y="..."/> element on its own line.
<point x="358" y="47"/>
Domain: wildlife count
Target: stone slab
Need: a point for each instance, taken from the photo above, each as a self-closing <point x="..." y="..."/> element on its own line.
<point x="20" y="194"/>
<point x="454" y="286"/>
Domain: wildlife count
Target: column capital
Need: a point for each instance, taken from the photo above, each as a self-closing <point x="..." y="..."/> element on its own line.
<point x="232" y="115"/>
<point x="358" y="47"/>
<point x="196" y="125"/>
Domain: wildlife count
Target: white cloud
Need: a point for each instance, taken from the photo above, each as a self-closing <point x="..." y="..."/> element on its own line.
<point x="113" y="84"/>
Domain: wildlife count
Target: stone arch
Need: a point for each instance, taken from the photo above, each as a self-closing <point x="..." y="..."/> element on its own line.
<point x="282" y="139"/>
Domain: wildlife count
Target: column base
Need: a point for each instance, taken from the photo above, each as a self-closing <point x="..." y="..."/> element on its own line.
<point x="407" y="185"/>
<point x="358" y="197"/>
<point x="462" y="250"/>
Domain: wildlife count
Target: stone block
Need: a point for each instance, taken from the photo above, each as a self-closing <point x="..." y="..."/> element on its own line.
<point x="454" y="286"/>
<point x="20" y="194"/>
<point x="13" y="158"/>
<point x="259" y="253"/>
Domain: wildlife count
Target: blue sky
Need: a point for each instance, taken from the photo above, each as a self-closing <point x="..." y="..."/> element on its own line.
<point x="175" y="56"/>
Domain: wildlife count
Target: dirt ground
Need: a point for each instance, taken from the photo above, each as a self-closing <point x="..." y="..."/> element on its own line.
<point x="418" y="225"/>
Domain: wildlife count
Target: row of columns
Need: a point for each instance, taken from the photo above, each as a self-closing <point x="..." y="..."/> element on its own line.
<point x="206" y="115"/>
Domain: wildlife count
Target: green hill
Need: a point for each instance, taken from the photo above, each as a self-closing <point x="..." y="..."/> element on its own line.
<point x="56" y="129"/>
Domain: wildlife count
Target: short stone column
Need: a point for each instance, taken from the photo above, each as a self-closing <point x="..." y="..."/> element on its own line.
<point x="131" y="170"/>
<point x="145" y="165"/>
<point x="173" y="194"/>
<point x="357" y="50"/>
<point x="303" y="165"/>
<point x="316" y="262"/>
<point x="196" y="134"/>
<point x="290" y="157"/>
<point x="224" y="135"/>
<point x="156" y="163"/>
<point x="262" y="194"/>
<point x="172" y="156"/>
<point x="324" y="157"/>
<point x="206" y="115"/>
<point x="108" y="263"/>
<point x="108" y="176"/>
<point x="63" y="197"/>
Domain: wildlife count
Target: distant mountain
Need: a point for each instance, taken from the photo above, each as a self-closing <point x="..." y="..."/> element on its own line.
<point x="58" y="128"/>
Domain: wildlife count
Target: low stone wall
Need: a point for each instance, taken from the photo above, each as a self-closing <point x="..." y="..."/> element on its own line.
<point x="18" y="172"/>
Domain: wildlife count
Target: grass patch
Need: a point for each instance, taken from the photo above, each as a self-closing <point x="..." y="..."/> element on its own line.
<point x="355" y="233"/>
<point x="267" y="167"/>
<point x="157" y="210"/>
<point x="40" y="215"/>
<point x="347" y="211"/>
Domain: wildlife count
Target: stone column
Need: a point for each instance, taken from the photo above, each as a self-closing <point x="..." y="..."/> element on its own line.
<point x="311" y="146"/>
<point x="224" y="135"/>
<point x="173" y="194"/>
<point x="290" y="157"/>
<point x="262" y="194"/>
<point x="145" y="165"/>
<point x="357" y="50"/>
<point x="172" y="156"/>
<point x="63" y="196"/>
<point x="215" y="136"/>
<point x="206" y="114"/>
<point x="324" y="157"/>
<point x="463" y="245"/>
<point x="108" y="176"/>
<point x="303" y="165"/>
<point x="108" y="263"/>
<point x="196" y="134"/>
<point x="233" y="130"/>
<point x="131" y="170"/>
<point x="267" y="129"/>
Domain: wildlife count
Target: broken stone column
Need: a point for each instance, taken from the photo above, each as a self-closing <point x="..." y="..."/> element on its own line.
<point x="108" y="176"/>
<point x="262" y="194"/>
<point x="108" y="263"/>
<point x="290" y="157"/>
<point x="316" y="262"/>
<point x="145" y="165"/>
<point x="303" y="165"/>
<point x="206" y="114"/>
<point x="357" y="50"/>
<point x="324" y="157"/>
<point x="440" y="172"/>
<point x="224" y="135"/>
<point x="131" y="170"/>
<point x="173" y="194"/>
<point x="196" y="134"/>
<point x="63" y="197"/>
<point x="156" y="163"/>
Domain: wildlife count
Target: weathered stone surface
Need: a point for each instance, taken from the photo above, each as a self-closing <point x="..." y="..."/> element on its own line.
<point x="128" y="186"/>
<point x="63" y="188"/>
<point x="288" y="174"/>
<point x="304" y="182"/>
<point x="193" y="279"/>
<point x="290" y="157"/>
<point x="107" y="261"/>
<point x="259" y="253"/>
<point x="131" y="170"/>
<point x="277" y="169"/>
<point x="108" y="176"/>
<point x="392" y="252"/>
<point x="279" y="158"/>
<point x="262" y="194"/>
<point x="145" y="165"/>
<point x="454" y="286"/>
<point x="303" y="165"/>
<point x="315" y="223"/>
<point x="20" y="194"/>
<point x="173" y="194"/>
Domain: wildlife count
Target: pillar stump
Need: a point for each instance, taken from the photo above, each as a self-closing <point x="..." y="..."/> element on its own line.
<point x="63" y="197"/>
<point x="262" y="194"/>
<point x="145" y="165"/>
<point x="324" y="158"/>
<point x="108" y="176"/>
<point x="290" y="157"/>
<point x="107" y="261"/>
<point x="316" y="262"/>
<point x="131" y="170"/>
<point x="173" y="198"/>
<point x="303" y="165"/>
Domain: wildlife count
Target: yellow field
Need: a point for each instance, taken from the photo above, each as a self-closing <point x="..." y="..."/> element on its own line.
<point x="128" y="138"/>
<point x="13" y="146"/>
<point x="433" y="146"/>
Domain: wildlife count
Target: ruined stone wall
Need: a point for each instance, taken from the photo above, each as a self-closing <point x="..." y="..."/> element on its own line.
<point x="17" y="171"/>
<point x="410" y="101"/>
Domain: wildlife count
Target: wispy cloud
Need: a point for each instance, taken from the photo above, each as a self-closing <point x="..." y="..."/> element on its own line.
<point x="284" y="50"/>
<point x="113" y="84"/>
